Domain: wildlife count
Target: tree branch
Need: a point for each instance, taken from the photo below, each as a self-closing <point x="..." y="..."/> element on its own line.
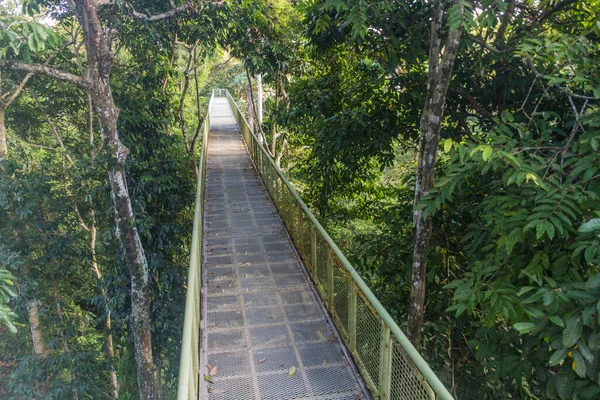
<point x="488" y="47"/>
<point x="45" y="70"/>
<point x="158" y="17"/>
<point x="473" y="102"/>
<point x="19" y="88"/>
<point x="561" y="5"/>
<point x="39" y="146"/>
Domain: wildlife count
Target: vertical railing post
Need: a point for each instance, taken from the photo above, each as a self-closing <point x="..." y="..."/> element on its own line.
<point x="277" y="194"/>
<point x="269" y="184"/>
<point x="300" y="230"/>
<point x="313" y="248"/>
<point x="385" y="363"/>
<point x="352" y="300"/>
<point x="330" y="280"/>
<point x="290" y="211"/>
<point x="285" y="206"/>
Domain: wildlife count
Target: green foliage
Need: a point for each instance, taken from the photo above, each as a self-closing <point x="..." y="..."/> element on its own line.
<point x="512" y="277"/>
<point x="343" y="107"/>
<point x="21" y="38"/>
<point x="7" y="290"/>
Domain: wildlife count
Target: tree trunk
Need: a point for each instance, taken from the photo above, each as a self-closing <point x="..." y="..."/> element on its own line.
<point x="110" y="351"/>
<point x="98" y="78"/>
<point x="189" y="144"/>
<point x="250" y="104"/>
<point x="259" y="99"/>
<point x="129" y="237"/>
<point x="39" y="348"/>
<point x="63" y="335"/>
<point x="3" y="145"/>
<point x="159" y="387"/>
<point x="441" y="63"/>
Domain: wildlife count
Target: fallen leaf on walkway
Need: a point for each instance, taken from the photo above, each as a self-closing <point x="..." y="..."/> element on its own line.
<point x="208" y="378"/>
<point x="292" y="371"/>
<point x="213" y="371"/>
<point x="261" y="360"/>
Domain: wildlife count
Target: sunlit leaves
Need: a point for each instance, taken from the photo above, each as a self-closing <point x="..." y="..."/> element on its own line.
<point x="23" y="38"/>
<point x="7" y="292"/>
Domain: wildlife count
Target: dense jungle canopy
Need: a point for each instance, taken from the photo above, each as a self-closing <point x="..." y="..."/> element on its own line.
<point x="450" y="147"/>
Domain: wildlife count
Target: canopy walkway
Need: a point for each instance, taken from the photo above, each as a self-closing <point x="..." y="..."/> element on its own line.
<point x="274" y="311"/>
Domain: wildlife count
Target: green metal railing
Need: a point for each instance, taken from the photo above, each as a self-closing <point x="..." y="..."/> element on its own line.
<point x="189" y="365"/>
<point x="389" y="364"/>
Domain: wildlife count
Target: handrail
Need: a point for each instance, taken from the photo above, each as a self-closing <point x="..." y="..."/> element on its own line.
<point x="389" y="364"/>
<point x="189" y="365"/>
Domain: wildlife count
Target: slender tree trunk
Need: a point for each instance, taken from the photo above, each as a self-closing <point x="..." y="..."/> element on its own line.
<point x="3" y="145"/>
<point x="259" y="99"/>
<point x="441" y="63"/>
<point x="189" y="143"/>
<point x="63" y="335"/>
<point x="250" y="103"/>
<point x="39" y="347"/>
<point x="252" y="117"/>
<point x="98" y="78"/>
<point x="110" y="351"/>
<point x="159" y="388"/>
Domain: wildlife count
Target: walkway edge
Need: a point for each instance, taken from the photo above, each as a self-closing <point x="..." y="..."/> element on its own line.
<point x="437" y="386"/>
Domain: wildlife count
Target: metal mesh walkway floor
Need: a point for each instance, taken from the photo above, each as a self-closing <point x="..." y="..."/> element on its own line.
<point x="260" y="314"/>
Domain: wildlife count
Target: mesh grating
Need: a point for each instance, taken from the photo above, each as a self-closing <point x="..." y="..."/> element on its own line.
<point x="226" y="341"/>
<point x="275" y="359"/>
<point x="256" y="284"/>
<point x="230" y="364"/>
<point x="330" y="380"/>
<point x="407" y="383"/>
<point x="313" y="331"/>
<point x="368" y="337"/>
<point x="341" y="292"/>
<point x="306" y="250"/>
<point x="293" y="217"/>
<point x="262" y="299"/>
<point x="263" y="316"/>
<point x="297" y="297"/>
<point x="223" y="303"/>
<point x="303" y="312"/>
<point x="317" y="354"/>
<point x="269" y="336"/>
<point x="280" y="386"/>
<point x="254" y="272"/>
<point x="230" y="389"/>
<point x="227" y="319"/>
<point x="285" y="269"/>
<point x="321" y="270"/>
<point x="290" y="280"/>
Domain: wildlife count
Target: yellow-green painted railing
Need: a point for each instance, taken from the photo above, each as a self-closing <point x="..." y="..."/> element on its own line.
<point x="189" y="365"/>
<point x="389" y="364"/>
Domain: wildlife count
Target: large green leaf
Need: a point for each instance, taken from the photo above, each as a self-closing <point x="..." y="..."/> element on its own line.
<point x="590" y="226"/>
<point x="573" y="331"/>
<point x="524" y="327"/>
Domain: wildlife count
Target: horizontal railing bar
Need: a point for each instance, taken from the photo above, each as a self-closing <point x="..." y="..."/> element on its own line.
<point x="188" y="384"/>
<point x="395" y="330"/>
